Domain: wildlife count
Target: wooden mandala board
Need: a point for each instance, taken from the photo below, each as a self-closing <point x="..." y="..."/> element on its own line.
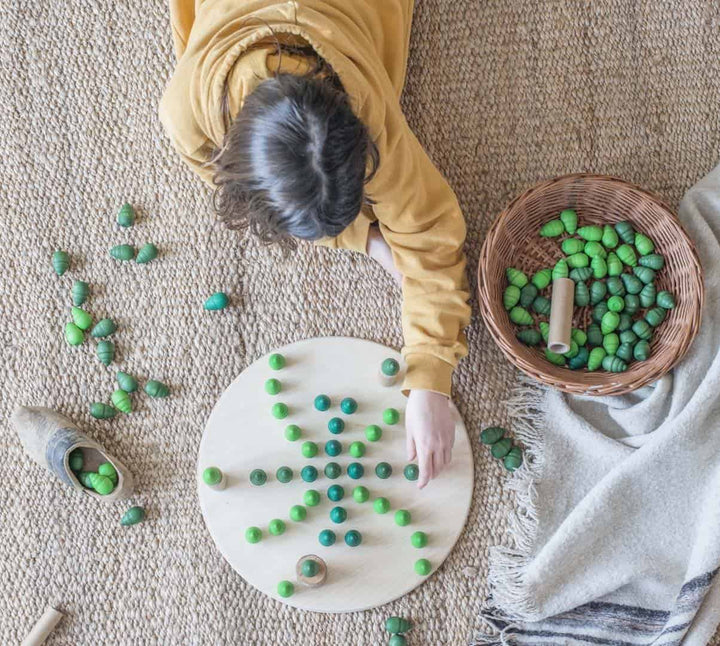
<point x="242" y="435"/>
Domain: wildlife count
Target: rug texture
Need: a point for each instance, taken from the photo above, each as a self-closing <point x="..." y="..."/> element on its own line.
<point x="503" y="94"/>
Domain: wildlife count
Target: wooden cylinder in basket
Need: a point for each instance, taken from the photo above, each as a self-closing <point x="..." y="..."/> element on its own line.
<point x="514" y="241"/>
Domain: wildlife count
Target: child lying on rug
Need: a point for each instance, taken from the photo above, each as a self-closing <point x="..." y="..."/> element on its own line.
<point x="290" y="110"/>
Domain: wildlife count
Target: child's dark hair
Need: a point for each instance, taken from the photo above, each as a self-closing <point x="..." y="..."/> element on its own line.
<point x="294" y="162"/>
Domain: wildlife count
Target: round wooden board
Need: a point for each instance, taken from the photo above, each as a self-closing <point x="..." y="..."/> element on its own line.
<point x="242" y="435"/>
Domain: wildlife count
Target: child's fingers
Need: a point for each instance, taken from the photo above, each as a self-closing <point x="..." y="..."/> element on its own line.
<point x="426" y="469"/>
<point x="438" y="463"/>
<point x="447" y="455"/>
<point x="410" y="447"/>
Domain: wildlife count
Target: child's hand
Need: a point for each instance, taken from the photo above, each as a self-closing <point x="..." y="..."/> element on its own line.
<point x="430" y="432"/>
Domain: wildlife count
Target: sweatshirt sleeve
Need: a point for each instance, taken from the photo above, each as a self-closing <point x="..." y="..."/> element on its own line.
<point x="421" y="220"/>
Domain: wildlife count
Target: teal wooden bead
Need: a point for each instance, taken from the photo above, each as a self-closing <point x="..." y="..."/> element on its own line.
<point x="423" y="567"/>
<point x="84" y="478"/>
<point x="336" y="425"/>
<point x="633" y="285"/>
<point x="147" y="253"/>
<point x="276" y="361"/>
<point x="569" y="219"/>
<point x="309" y="473"/>
<point x="396" y="625"/>
<point x="402" y="517"/>
<point x="284" y="474"/>
<point x="609" y="237"/>
<point x="501" y="448"/>
<point x="121" y="401"/>
<point x="492" y="434"/>
<point x="554" y="358"/>
<point x="127" y="382"/>
<point x="579" y="360"/>
<point x="647" y="295"/>
<point x="594" y="335"/>
<point x="311" y="498"/>
<point x="419" y="539"/>
<point x="582" y="294"/>
<point x="632" y="304"/>
<point x="542" y="278"/>
<point x="580" y="274"/>
<point x="391" y="416"/>
<point x="643" y="244"/>
<point x="592" y="233"/>
<point x="309" y="449"/>
<point x="511" y="297"/>
<point x="627" y="255"/>
<point x="292" y="432"/>
<point x="595" y="359"/>
<point x="258" y="477"/>
<point x="390" y="367"/>
<point x="570" y="246"/>
<point x="645" y="274"/>
<point x="520" y="316"/>
<point x="156" y="389"/>
<point x="338" y="515"/>
<point x="381" y="505"/>
<point x="309" y="568"/>
<point x="609" y="323"/>
<point x="614" y="265"/>
<point x="297" y="513"/>
<point x="357" y="449"/>
<point x="561" y="269"/>
<point x="411" y="472"/>
<point x="642" y="329"/>
<point x="599" y="311"/>
<point x="333" y="448"/>
<point x="273" y="386"/>
<point x="123" y="252"/>
<point x="326" y="537"/>
<point x="102" y="411"/>
<point x="80" y="290"/>
<point x="373" y="433"/>
<point x="655" y="316"/>
<point x="544" y="330"/>
<point x="360" y="494"/>
<point x="217" y="301"/>
<point x="253" y="535"/>
<point x="653" y="261"/>
<point x="348" y="405"/>
<point x="528" y="295"/>
<point x="552" y="229"/>
<point x="335" y="493"/>
<point x="106" y="352"/>
<point x="598" y="291"/>
<point x="611" y="343"/>
<point x="132" y="516"/>
<point x="641" y="351"/>
<point x="76" y="460"/>
<point x="628" y="336"/>
<point x="578" y="336"/>
<point x="276" y="527"/>
<point x="332" y="470"/>
<point x="103" y="328"/>
<point x="616" y="303"/>
<point x="615" y="286"/>
<point x="665" y="300"/>
<point x="529" y="336"/>
<point x="625" y="231"/>
<point x="625" y="352"/>
<point x="383" y="470"/>
<point x="285" y="589"/>
<point x="516" y="277"/>
<point x="599" y="267"/>
<point x="593" y="249"/>
<point x="625" y="322"/>
<point x="322" y="403"/>
<point x="60" y="262"/>
<point x="542" y="305"/>
<point x="577" y="260"/>
<point x="573" y="351"/>
<point x="513" y="459"/>
<point x="614" y="364"/>
<point x="101" y="484"/>
<point x="126" y="216"/>
<point x="353" y="538"/>
<point x="73" y="334"/>
<point x="279" y="410"/>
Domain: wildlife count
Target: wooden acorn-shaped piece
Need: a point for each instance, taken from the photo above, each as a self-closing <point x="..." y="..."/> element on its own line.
<point x="633" y="284"/>
<point x="542" y="305"/>
<point x="570" y="246"/>
<point x="597" y="355"/>
<point x="647" y="295"/>
<point x="614" y="265"/>
<point x="592" y="249"/>
<point x="311" y="570"/>
<point x="609" y="322"/>
<point x="632" y="303"/>
<point x="389" y="372"/>
<point x="73" y="334"/>
<point x="60" y="262"/>
<point x="655" y="316"/>
<point x="594" y="335"/>
<point x="626" y="232"/>
<point x="106" y="352"/>
<point x="625" y="352"/>
<point x="599" y="267"/>
<point x="642" y="329"/>
<point x="217" y="301"/>
<point x="397" y="625"/>
<point x="102" y="411"/>
<point x="616" y="303"/>
<point x="127" y="382"/>
<point x="569" y="219"/>
<point x="527" y="295"/>
<point x="554" y="357"/>
<point x="132" y="516"/>
<point x="578" y="260"/>
<point x="582" y="294"/>
<point x="653" y="261"/>
<point x="615" y="286"/>
<point x="561" y="269"/>
<point x="513" y="460"/>
<point x="214" y="478"/>
<point x="511" y="297"/>
<point x="126" y="216"/>
<point x="625" y="322"/>
<point x="641" y="351"/>
<point x="501" y="448"/>
<point x="147" y="253"/>
<point x="614" y="364"/>
<point x="123" y="252"/>
<point x="530" y="336"/>
<point x="516" y="277"/>
<point x="609" y="237"/>
<point x="520" y="316"/>
<point x="492" y="434"/>
<point x="665" y="300"/>
<point x="104" y="327"/>
<point x="544" y="330"/>
<point x="645" y="274"/>
<point x="156" y="389"/>
<point x="121" y="401"/>
<point x="611" y="343"/>
<point x="627" y="254"/>
<point x="552" y="229"/>
<point x="542" y="278"/>
<point x="643" y="244"/>
<point x="580" y="274"/>
<point x="579" y="360"/>
<point x="79" y="291"/>
<point x="81" y="318"/>
<point x="591" y="233"/>
<point x="598" y="291"/>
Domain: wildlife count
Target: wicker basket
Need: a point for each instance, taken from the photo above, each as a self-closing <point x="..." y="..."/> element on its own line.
<point x="513" y="240"/>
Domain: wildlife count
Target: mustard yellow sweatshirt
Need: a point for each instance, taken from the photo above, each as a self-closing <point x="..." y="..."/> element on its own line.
<point x="366" y="43"/>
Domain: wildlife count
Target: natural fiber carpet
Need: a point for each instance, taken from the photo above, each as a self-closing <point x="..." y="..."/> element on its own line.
<point x="502" y="93"/>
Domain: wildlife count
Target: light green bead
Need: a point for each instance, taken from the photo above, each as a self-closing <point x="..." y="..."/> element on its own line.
<point x="542" y="278"/>
<point x="109" y="471"/>
<point x="298" y="513"/>
<point x="609" y="237"/>
<point x="73" y="334"/>
<point x="391" y="416"/>
<point x="554" y="358"/>
<point x="570" y="246"/>
<point x="276" y="527"/>
<point x="511" y="297"/>
<point x="614" y="265"/>
<point x="273" y="386"/>
<point x="561" y="269"/>
<point x="599" y="267"/>
<point x="121" y="401"/>
<point x="419" y="540"/>
<point x="373" y="433"/>
<point x="573" y="351"/>
<point x="544" y="330"/>
<point x="569" y="219"/>
<point x="520" y="316"/>
<point x="360" y="494"/>
<point x="276" y="361"/>
<point x="627" y="254"/>
<point x="516" y="277"/>
<point x="357" y="449"/>
<point x="123" y="252"/>
<point x="423" y="567"/>
<point x="311" y="498"/>
<point x="643" y="244"/>
<point x="578" y="260"/>
<point x="609" y="323"/>
<point x="616" y="303"/>
<point x="595" y="359"/>
<point x="285" y="589"/>
<point x="101" y="484"/>
<point x="212" y="476"/>
<point x="292" y="432"/>
<point x="279" y="410"/>
<point x="81" y="318"/>
<point x="381" y="505"/>
<point x="578" y="336"/>
<point x="309" y="449"/>
<point x="611" y="342"/>
<point x="402" y="517"/>
<point x="593" y="249"/>
<point x="592" y="233"/>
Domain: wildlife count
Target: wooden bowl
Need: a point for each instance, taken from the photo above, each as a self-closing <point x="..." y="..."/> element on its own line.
<point x="514" y="241"/>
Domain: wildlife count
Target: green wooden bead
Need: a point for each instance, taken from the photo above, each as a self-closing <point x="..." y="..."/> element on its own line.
<point x="501" y="448"/>
<point x="156" y="389"/>
<point x="642" y="329"/>
<point x="573" y="351"/>
<point x="309" y="473"/>
<point x="614" y="265"/>
<point x="132" y="516"/>
<point x="212" y="476"/>
<point x="513" y="459"/>
<point x="258" y="477"/>
<point x="101" y="484"/>
<point x="292" y="433"/>
<point x="643" y="244"/>
<point x="106" y="352"/>
<point x="554" y="358"/>
<point x="216" y="301"/>
<point x="285" y="589"/>
<point x="625" y="352"/>
<point x="81" y="318"/>
<point x="326" y="537"/>
<point x="298" y="513"/>
<point x="419" y="539"/>
<point x="655" y="316"/>
<point x="423" y="567"/>
<point x="373" y="433"/>
<point x="633" y="285"/>
<point x="127" y="382"/>
<point x="528" y="294"/>
<point x="73" y="334"/>
<point x="147" y="253"/>
<point x="628" y="336"/>
<point x="276" y="361"/>
<point x="253" y="535"/>
<point x="560" y="270"/>
<point x="309" y="568"/>
<point x="336" y="425"/>
<point x="627" y="254"/>
<point x="103" y="328"/>
<point x="390" y="367"/>
<point x="665" y="300"/>
<point x="569" y="219"/>
<point x="611" y="343"/>
<point x="511" y="297"/>
<point x="102" y="411"/>
<point x="632" y="304"/>
<point x="311" y="498"/>
<point x="335" y="493"/>
<point x="322" y="403"/>
<point x="76" y="460"/>
<point x="609" y="323"/>
<point x="579" y="360"/>
<point x="625" y="322"/>
<point x="520" y="316"/>
<point x="609" y="237"/>
<point x="309" y="449"/>
<point x="544" y="329"/>
<point x="594" y="335"/>
<point x="60" y="262"/>
<point x="121" y="401"/>
<point x="552" y="229"/>
<point x="338" y="515"/>
<point x="580" y="274"/>
<point x="333" y="448"/>
<point x="357" y="449"/>
<point x="391" y="416"/>
<point x="592" y="233"/>
<point x="332" y="470"/>
<point x="599" y="311"/>
<point x="641" y="351"/>
<point x="578" y="336"/>
<point x="542" y="305"/>
<point x="411" y="472"/>
<point x="84" y="478"/>
<point x="599" y="267"/>
<point x="625" y="231"/>
<point x="276" y="527"/>
<point x="381" y="505"/>
<point x="615" y="286"/>
<point x="402" y="517"/>
<point x="126" y="216"/>
<point x="653" y="261"/>
<point x="595" y="359"/>
<point x="273" y="386"/>
<point x="647" y="295"/>
<point x="279" y="410"/>
<point x="577" y="260"/>
<point x="614" y="364"/>
<point x="492" y="434"/>
<point x="598" y="291"/>
<point x="348" y="405"/>
<point x="616" y="303"/>
<point x="645" y="274"/>
<point x="80" y="290"/>
<point x="593" y="249"/>
<point x="570" y="246"/>
<point x="284" y="474"/>
<point x="360" y="494"/>
<point x="353" y="538"/>
<point x="542" y="278"/>
<point x="529" y="336"/>
<point x="383" y="470"/>
<point x="123" y="252"/>
<point x="582" y="294"/>
<point x="516" y="277"/>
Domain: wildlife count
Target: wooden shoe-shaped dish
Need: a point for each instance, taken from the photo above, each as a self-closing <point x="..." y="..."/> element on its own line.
<point x="49" y="438"/>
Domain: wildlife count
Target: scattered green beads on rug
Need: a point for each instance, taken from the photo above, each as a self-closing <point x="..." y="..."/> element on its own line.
<point x="373" y="433"/>
<point x="348" y="406"/>
<point x="298" y="513"/>
<point x="309" y="449"/>
<point x="273" y="386"/>
<point x="311" y="498"/>
<point x="284" y="474"/>
<point x="258" y="477"/>
<point x="333" y="448"/>
<point x="411" y="472"/>
<point x="292" y="433"/>
<point x="335" y="493"/>
<point x="309" y="473"/>
<point x="391" y="416"/>
<point x="326" y="537"/>
<point x="322" y="403"/>
<point x="338" y="515"/>
<point x="336" y="425"/>
<point x="402" y="517"/>
<point x="285" y="589"/>
<point x="423" y="567"/>
<point x="279" y="410"/>
<point x="381" y="505"/>
<point x="361" y="494"/>
<point x="501" y="447"/>
<point x="419" y="539"/>
<point x="383" y="470"/>
<point x="276" y="361"/>
<point x="60" y="262"/>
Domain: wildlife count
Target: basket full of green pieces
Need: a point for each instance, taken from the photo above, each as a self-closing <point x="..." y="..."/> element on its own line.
<point x="638" y="283"/>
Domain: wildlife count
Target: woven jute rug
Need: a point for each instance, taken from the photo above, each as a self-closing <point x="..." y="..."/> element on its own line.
<point x="502" y="94"/>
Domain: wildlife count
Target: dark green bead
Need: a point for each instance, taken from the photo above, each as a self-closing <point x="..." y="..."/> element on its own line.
<point x="333" y="448"/>
<point x="309" y="473"/>
<point x="327" y="537"/>
<point x="632" y="304"/>
<point x="611" y="343"/>
<point x="647" y="295"/>
<point x="284" y="474"/>
<point x="655" y="316"/>
<point x="579" y="360"/>
<point x="348" y="405"/>
<point x="625" y="351"/>
<point x="390" y="367"/>
<point x="335" y="493"/>
<point x="599" y="311"/>
<point x="645" y="274"/>
<point x="353" y="538"/>
<point x="333" y="470"/>
<point x="309" y="568"/>
<point x="625" y="322"/>
<point x="598" y="291"/>
<point x="513" y="459"/>
<point x="613" y="364"/>
<point x="132" y="516"/>
<point x="541" y="305"/>
<point x="396" y="625"/>
<point x="642" y="329"/>
<point x="580" y="274"/>
<point x="628" y="336"/>
<point x="633" y="285"/>
<point x="665" y="300"/>
<point x="641" y="351"/>
<point x="336" y="426"/>
<point x="653" y="261"/>
<point x="615" y="286"/>
<point x="501" y="448"/>
<point x="582" y="295"/>
<point x="529" y="336"/>
<point x="258" y="477"/>
<point x="383" y="470"/>
<point x="76" y="460"/>
<point x="492" y="434"/>
<point x="594" y="335"/>
<point x="322" y="403"/>
<point x="626" y="232"/>
<point x="338" y="515"/>
<point x="528" y="295"/>
<point x="355" y="470"/>
<point x="411" y="472"/>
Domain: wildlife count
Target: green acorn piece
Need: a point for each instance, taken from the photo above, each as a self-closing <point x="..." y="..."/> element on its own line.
<point x="107" y="469"/>
<point x="642" y="329"/>
<point x="492" y="434"/>
<point x="80" y="291"/>
<point x="516" y="277"/>
<point x="580" y="274"/>
<point x="628" y="336"/>
<point x="217" y="301"/>
<point x="570" y="246"/>
<point x="123" y="252"/>
<point x="615" y="286"/>
<point x="147" y="253"/>
<point x="614" y="364"/>
<point x="84" y="478"/>
<point x="542" y="305"/>
<point x="625" y="352"/>
<point x="569" y="219"/>
<point x="132" y="516"/>
<point x="102" y="411"/>
<point x="665" y="300"/>
<point x="614" y="265"/>
<point x="552" y="229"/>
<point x="395" y="625"/>
<point x="609" y="237"/>
<point x="655" y="316"/>
<point x="633" y="285"/>
<point x="544" y="330"/>
<point x="595" y="359"/>
<point x="645" y="274"/>
<point x="641" y="351"/>
<point x="653" y="261"/>
<point x="598" y="290"/>
<point x="616" y="304"/>
<point x="527" y="295"/>
<point x="520" y="316"/>
<point x="542" y="278"/>
<point x="609" y="323"/>
<point x="554" y="358"/>
<point x="626" y="232"/>
<point x="76" y="460"/>
<point x="560" y="270"/>
<point x="104" y="327"/>
<point x="599" y="267"/>
<point x="121" y="401"/>
<point x="632" y="304"/>
<point x="106" y="352"/>
<point x="501" y="448"/>
<point x="627" y="254"/>
<point x="594" y="335"/>
<point x="513" y="459"/>
<point x="582" y="294"/>
<point x="599" y="311"/>
<point x="643" y="244"/>
<point x="126" y="216"/>
<point x="573" y="351"/>
<point x="578" y="260"/>
<point x="578" y="336"/>
<point x="156" y="389"/>
<point x="73" y="334"/>
<point x="647" y="295"/>
<point x="625" y="322"/>
<point x="101" y="484"/>
<point x="611" y="343"/>
<point x="127" y="382"/>
<point x="579" y="360"/>
<point x="511" y="297"/>
<point x="593" y="249"/>
<point x="590" y="233"/>
<point x="60" y="262"/>
<point x="529" y="336"/>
